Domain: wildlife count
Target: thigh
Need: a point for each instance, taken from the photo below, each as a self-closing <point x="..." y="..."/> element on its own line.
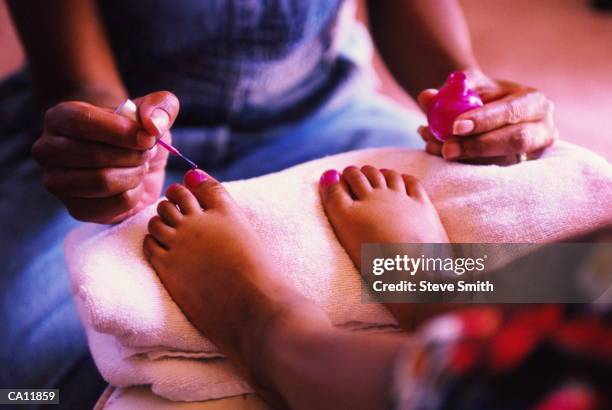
<point x="364" y="121"/>
<point x="43" y="339"/>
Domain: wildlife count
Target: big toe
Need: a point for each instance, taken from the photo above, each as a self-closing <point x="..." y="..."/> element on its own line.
<point x="334" y="193"/>
<point x="209" y="192"/>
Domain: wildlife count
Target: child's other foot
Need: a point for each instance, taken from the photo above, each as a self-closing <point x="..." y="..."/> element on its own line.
<point x="368" y="205"/>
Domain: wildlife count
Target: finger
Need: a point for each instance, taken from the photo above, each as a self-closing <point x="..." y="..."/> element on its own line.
<point x="434" y="147"/>
<point x="528" y="106"/>
<point x="160" y="159"/>
<point x="63" y="152"/>
<point x="423" y="131"/>
<point x="513" y="139"/>
<point x="157" y="111"/>
<point x="426" y="134"/>
<point x="103" y="210"/>
<point x="93" y="183"/>
<point x="493" y="93"/>
<point x="142" y="204"/>
<point x="84" y="121"/>
<point x="425" y="98"/>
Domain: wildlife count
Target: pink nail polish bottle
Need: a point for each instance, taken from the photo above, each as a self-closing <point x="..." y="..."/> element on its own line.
<point x="453" y="99"/>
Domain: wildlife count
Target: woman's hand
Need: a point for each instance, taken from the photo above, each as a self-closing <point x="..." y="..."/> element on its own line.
<point x="514" y="120"/>
<point x="102" y="166"/>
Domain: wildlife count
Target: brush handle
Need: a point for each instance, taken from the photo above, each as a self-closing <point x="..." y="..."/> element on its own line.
<point x="129" y="110"/>
<point x="169" y="147"/>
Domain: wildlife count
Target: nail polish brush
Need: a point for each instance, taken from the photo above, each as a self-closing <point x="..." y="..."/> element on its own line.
<point x="129" y="110"/>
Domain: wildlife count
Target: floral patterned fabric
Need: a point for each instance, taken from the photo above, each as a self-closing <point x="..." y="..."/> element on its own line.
<point x="541" y="357"/>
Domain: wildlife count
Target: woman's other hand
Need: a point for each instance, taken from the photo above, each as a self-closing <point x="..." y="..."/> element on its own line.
<point x="102" y="166"/>
<point x="514" y="120"/>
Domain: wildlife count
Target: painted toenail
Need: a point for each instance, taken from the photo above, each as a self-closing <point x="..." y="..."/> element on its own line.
<point x="350" y="167"/>
<point x="195" y="177"/>
<point x="383" y="170"/>
<point x="329" y="177"/>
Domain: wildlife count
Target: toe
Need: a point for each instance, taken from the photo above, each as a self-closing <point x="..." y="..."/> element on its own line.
<point x="357" y="181"/>
<point x="414" y="187"/>
<point x="183" y="198"/>
<point x="209" y="192"/>
<point x="394" y="180"/>
<point x="334" y="192"/>
<point x="169" y="213"/>
<point x="153" y="250"/>
<point x="163" y="233"/>
<point x="376" y="178"/>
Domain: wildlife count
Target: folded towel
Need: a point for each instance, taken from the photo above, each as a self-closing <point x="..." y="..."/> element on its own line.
<point x="138" y="335"/>
<point x="175" y="378"/>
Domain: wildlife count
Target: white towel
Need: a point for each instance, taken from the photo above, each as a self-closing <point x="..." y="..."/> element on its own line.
<point x="138" y="335"/>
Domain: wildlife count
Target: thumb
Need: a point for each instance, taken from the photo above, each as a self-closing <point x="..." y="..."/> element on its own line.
<point x="157" y="111"/>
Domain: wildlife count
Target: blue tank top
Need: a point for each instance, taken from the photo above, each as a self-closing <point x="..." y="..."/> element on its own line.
<point x="244" y="63"/>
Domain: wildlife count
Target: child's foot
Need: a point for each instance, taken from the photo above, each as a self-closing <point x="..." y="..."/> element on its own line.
<point x="214" y="266"/>
<point x="368" y="205"/>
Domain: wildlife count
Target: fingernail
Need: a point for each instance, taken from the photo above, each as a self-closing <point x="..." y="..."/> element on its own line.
<point x="160" y="120"/>
<point x="451" y="150"/>
<point x="195" y="177"/>
<point x="422" y="131"/>
<point x="463" y="127"/>
<point x="329" y="177"/>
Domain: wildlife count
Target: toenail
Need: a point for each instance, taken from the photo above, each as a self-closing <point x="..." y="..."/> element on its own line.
<point x="383" y="169"/>
<point x="195" y="177"/>
<point x="329" y="177"/>
<point x="350" y="167"/>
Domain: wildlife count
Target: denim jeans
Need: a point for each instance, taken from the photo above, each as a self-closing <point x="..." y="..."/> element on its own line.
<point x="42" y="343"/>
